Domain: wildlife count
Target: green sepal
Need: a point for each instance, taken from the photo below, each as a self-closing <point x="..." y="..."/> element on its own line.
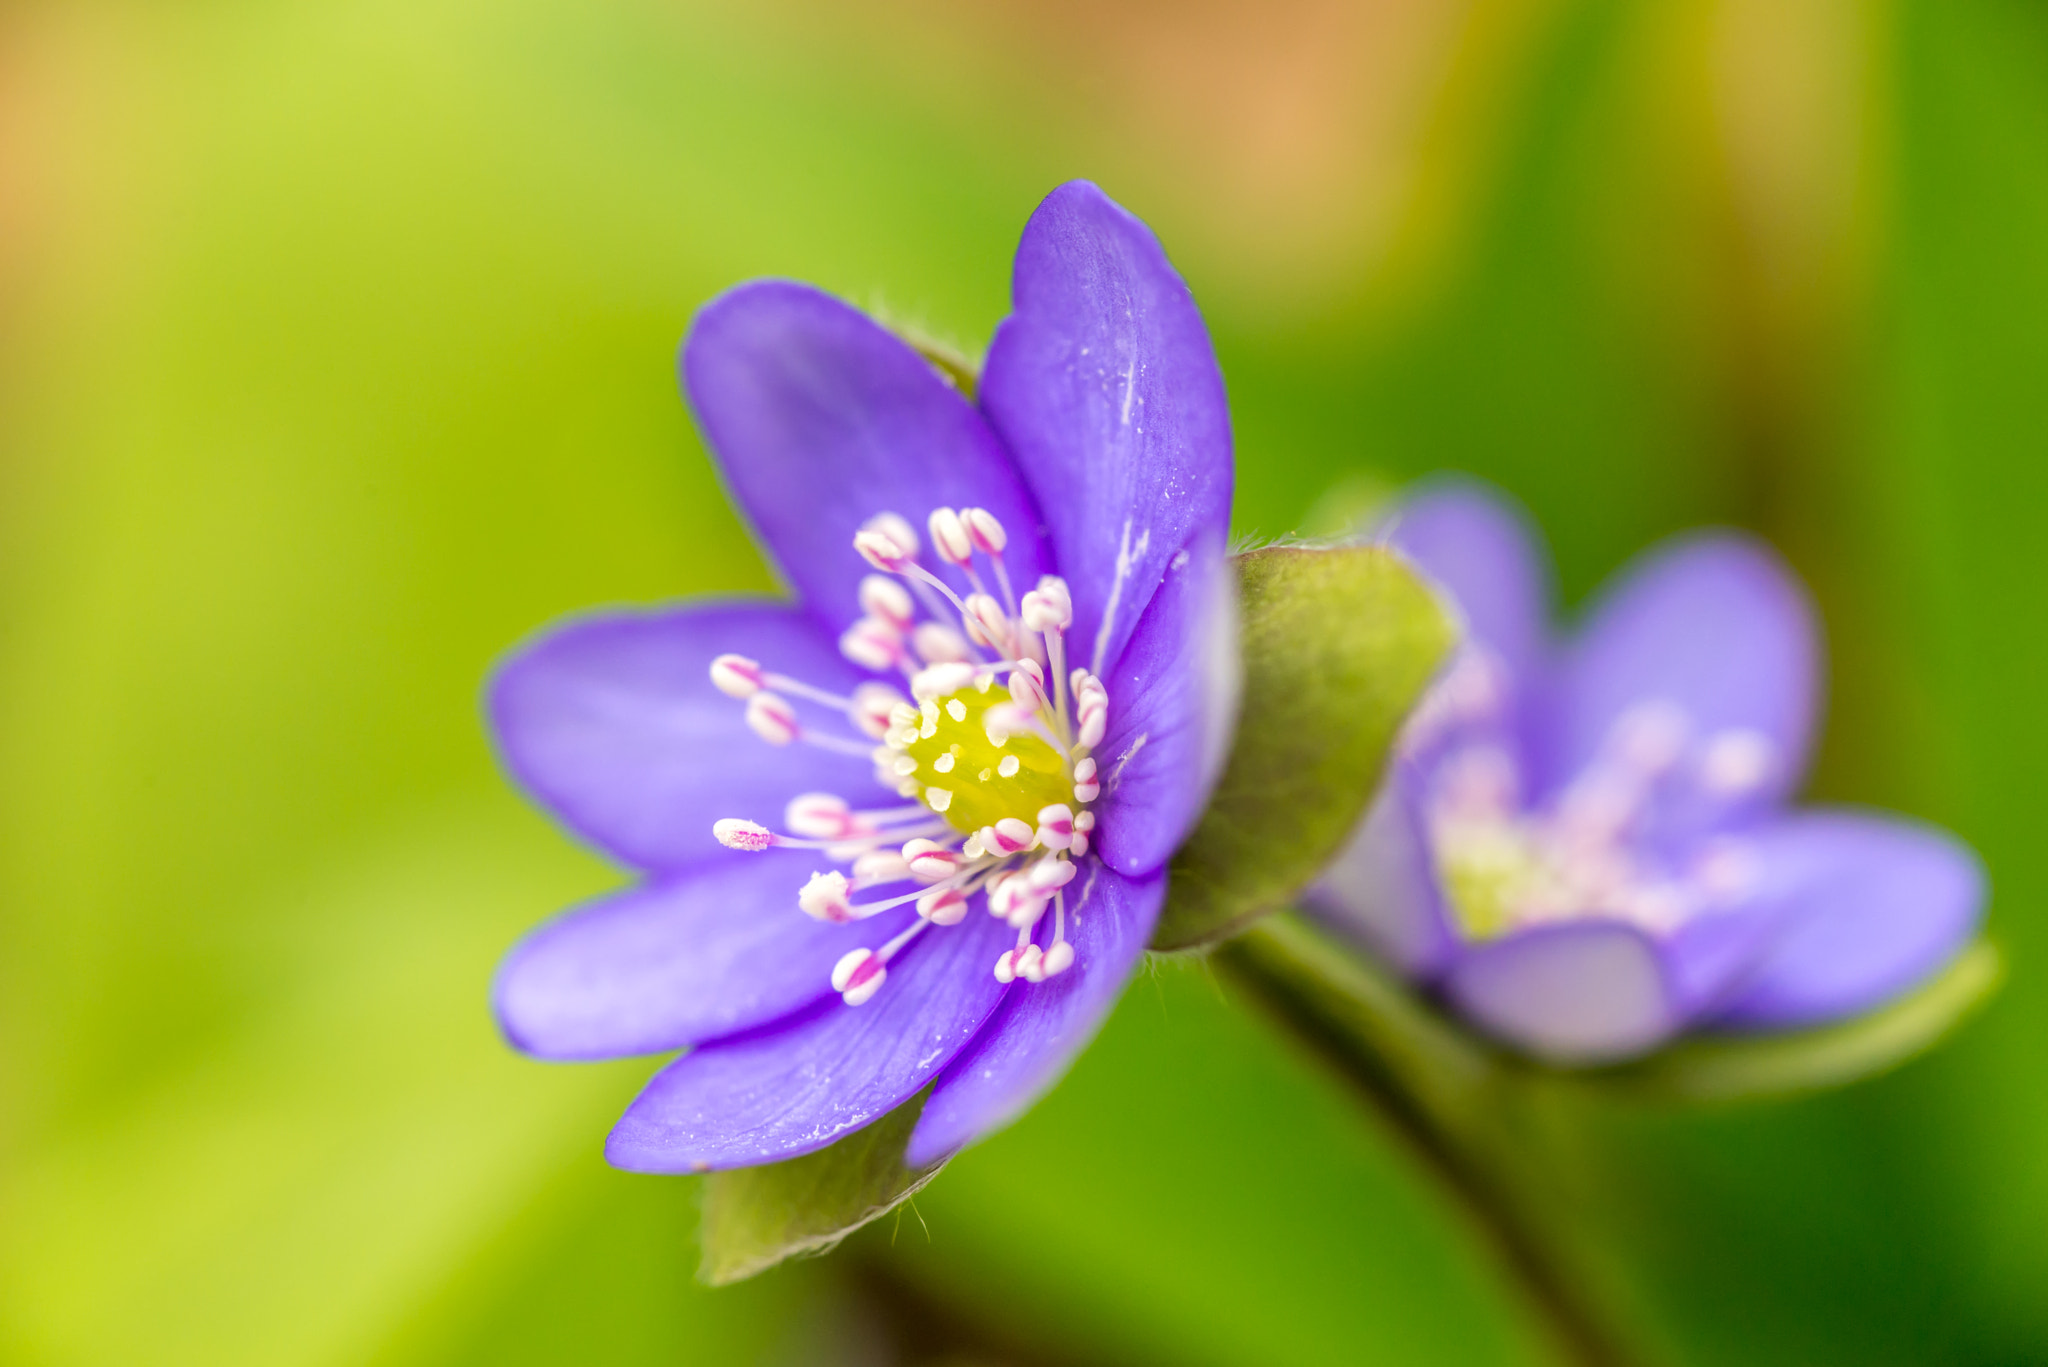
<point x="1338" y="644"/>
<point x="1753" y="1067"/>
<point x="756" y="1217"/>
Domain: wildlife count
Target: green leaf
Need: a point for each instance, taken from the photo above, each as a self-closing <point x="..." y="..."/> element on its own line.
<point x="1740" y="1068"/>
<point x="756" y="1217"/>
<point x="1337" y="644"/>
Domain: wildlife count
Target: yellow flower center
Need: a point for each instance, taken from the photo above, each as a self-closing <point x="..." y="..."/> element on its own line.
<point x="974" y="780"/>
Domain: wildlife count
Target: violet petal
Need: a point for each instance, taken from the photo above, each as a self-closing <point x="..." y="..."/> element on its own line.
<point x="800" y="1086"/>
<point x="1040" y="1027"/>
<point x="1172" y="705"/>
<point x="1715" y="624"/>
<point x="1478" y="546"/>
<point x="1872" y="905"/>
<point x="613" y="723"/>
<point x="1382" y="891"/>
<point x="1570" y="993"/>
<point x="716" y="950"/>
<point x="1104" y="385"/>
<point x="820" y="419"/>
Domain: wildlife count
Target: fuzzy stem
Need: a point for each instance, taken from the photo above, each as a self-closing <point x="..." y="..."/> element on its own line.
<point x="1439" y="1093"/>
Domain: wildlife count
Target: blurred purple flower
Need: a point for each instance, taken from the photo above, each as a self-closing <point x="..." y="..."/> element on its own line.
<point x="1586" y="848"/>
<point x="978" y="889"/>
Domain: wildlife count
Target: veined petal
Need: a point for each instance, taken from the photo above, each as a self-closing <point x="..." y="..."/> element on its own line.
<point x="1173" y="704"/>
<point x="1104" y="386"/>
<point x="1479" y="548"/>
<point x="613" y="723"/>
<point x="820" y="419"/>
<point x="1572" y="993"/>
<point x="1715" y="624"/>
<point x="1040" y="1027"/>
<point x="1382" y="890"/>
<point x="716" y="950"/>
<point x="797" y="1087"/>
<point x="1870" y="906"/>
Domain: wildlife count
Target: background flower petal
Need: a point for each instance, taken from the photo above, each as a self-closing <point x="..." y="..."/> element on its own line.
<point x="1873" y="904"/>
<point x="796" y="1088"/>
<point x="1172" y="708"/>
<point x="716" y="950"/>
<point x="613" y="723"/>
<point x="1580" y="992"/>
<point x="820" y="418"/>
<point x="1104" y="386"/>
<point x="1040" y="1027"/>
<point x="1382" y="890"/>
<point x="1713" y="623"/>
<point x="1477" y="544"/>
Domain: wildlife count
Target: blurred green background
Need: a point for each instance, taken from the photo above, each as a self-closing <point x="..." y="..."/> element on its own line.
<point x="336" y="349"/>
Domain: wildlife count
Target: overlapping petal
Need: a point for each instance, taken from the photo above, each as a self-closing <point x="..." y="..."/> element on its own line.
<point x="800" y="1086"/>
<point x="820" y="419"/>
<point x="613" y="723"/>
<point x="1039" y="1028"/>
<point x="1173" y="704"/>
<point x="1870" y="906"/>
<point x="1382" y="890"/>
<point x="1714" y="624"/>
<point x="692" y="957"/>
<point x="1573" y="992"/>
<point x="1104" y="385"/>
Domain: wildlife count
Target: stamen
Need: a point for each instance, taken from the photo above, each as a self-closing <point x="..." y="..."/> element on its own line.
<point x="1050" y="874"/>
<point x="873" y="707"/>
<point x="736" y="834"/>
<point x="1027" y="685"/>
<point x="772" y="719"/>
<point x="936" y="681"/>
<point x="858" y="975"/>
<point x="1736" y="762"/>
<point x="950" y="537"/>
<point x="930" y="861"/>
<point x="1049" y="607"/>
<point x="985" y="530"/>
<point x="938" y="643"/>
<point x="945" y="906"/>
<point x="736" y="676"/>
<point x="824" y="898"/>
<point x="822" y="816"/>
<point x="887" y="542"/>
<point x="883" y="597"/>
<point x="872" y="643"/>
<point x="1056" y="826"/>
<point x="987" y="624"/>
<point x="1030" y="964"/>
<point x="879" y="867"/>
<point x="1086" y="789"/>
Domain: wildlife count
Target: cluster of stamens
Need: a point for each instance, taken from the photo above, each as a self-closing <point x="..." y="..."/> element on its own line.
<point x="992" y="744"/>
<point x="1593" y="849"/>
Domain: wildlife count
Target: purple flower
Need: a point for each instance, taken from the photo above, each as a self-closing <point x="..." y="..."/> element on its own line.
<point x="1586" y="848"/>
<point x="946" y="779"/>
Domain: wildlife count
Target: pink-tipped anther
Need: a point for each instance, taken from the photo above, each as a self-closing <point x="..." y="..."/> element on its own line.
<point x="883" y="597"/>
<point x="1058" y="958"/>
<point x="1050" y="874"/>
<point x="822" y="816"/>
<point x="736" y="676"/>
<point x="949" y="536"/>
<point x="824" y="898"/>
<point x="1003" y="721"/>
<point x="1027" y="686"/>
<point x="858" y="975"/>
<point x="1006" y="967"/>
<point x="936" y="681"/>
<point x="1008" y="836"/>
<point x="985" y="530"/>
<point x="1030" y="964"/>
<point x="872" y="643"/>
<point x="930" y="862"/>
<point x="887" y="542"/>
<point x="736" y="834"/>
<point x="943" y="906"/>
<point x="874" y="708"/>
<point x="938" y="644"/>
<point x="880" y="866"/>
<point x="987" y="623"/>
<point x="772" y="719"/>
<point x="1056" y="826"/>
<point x="1049" y="607"/>
<point x="1086" y="788"/>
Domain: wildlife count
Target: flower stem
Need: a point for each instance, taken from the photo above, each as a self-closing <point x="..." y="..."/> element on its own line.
<point x="1440" y="1092"/>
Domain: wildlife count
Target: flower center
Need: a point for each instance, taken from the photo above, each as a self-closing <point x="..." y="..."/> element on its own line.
<point x="975" y="772"/>
<point x="995" y="750"/>
<point x="1633" y="836"/>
